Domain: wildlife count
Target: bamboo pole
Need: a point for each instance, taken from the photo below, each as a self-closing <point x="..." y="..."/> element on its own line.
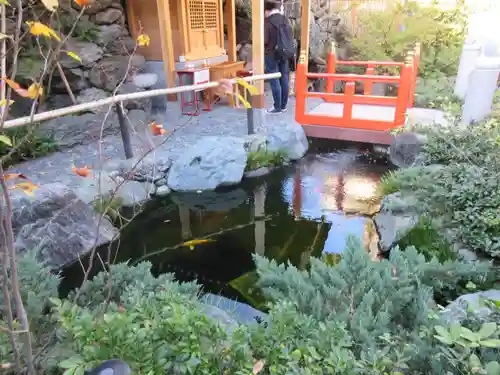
<point x="119" y="98"/>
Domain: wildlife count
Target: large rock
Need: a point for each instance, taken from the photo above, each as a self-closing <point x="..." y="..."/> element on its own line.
<point x="395" y="219"/>
<point x="76" y="78"/>
<point x="406" y="149"/>
<point x="88" y="52"/>
<point x="93" y="94"/>
<point x="458" y="310"/>
<point x="124" y="45"/>
<point x="110" y="71"/>
<point x="70" y="131"/>
<point x="59" y="224"/>
<point x="222" y="317"/>
<point x="288" y="138"/>
<point x="108" y="16"/>
<point x="109" y="34"/>
<point x="241" y="312"/>
<point x="209" y="164"/>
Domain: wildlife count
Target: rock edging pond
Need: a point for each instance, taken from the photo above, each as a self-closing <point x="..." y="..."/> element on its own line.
<point x="62" y="222"/>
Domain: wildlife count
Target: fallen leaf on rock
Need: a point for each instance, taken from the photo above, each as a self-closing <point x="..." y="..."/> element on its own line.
<point x="157" y="129"/>
<point x="27" y="187"/>
<point x="82" y="172"/>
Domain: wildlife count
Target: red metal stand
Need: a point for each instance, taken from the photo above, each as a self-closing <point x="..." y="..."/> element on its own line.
<point x="190" y="74"/>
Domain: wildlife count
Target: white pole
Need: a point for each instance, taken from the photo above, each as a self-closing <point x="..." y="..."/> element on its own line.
<point x="470" y="53"/>
<point x="481" y="89"/>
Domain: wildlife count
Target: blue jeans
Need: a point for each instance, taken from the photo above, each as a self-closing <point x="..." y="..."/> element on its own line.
<point x="279" y="87"/>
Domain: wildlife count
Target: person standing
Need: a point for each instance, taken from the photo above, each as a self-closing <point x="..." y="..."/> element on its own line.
<point x="279" y="48"/>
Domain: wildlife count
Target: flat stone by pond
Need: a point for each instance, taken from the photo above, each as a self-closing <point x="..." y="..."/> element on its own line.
<point x="306" y="209"/>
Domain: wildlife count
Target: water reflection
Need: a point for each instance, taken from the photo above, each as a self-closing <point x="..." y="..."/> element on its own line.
<point x="306" y="210"/>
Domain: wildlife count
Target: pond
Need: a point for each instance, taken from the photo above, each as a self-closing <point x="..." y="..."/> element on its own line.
<point x="307" y="209"/>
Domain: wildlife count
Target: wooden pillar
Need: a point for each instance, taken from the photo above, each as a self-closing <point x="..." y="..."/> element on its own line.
<point x="231" y="30"/>
<point x="304" y="28"/>
<point x="258" y="49"/>
<point x="167" y="44"/>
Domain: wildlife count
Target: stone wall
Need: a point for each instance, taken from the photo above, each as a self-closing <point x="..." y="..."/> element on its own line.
<point x="102" y="40"/>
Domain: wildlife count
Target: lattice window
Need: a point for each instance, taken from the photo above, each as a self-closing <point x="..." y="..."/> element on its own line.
<point x="211" y="15"/>
<point x="196" y="18"/>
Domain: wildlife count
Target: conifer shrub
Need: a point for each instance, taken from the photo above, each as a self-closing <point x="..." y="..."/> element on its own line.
<point x="353" y="317"/>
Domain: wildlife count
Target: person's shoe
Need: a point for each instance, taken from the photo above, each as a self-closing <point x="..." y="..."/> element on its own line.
<point x="274" y="111"/>
<point x="283" y="109"/>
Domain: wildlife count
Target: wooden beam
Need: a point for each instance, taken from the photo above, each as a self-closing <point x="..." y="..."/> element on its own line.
<point x="231" y="29"/>
<point x="167" y="43"/>
<point x="258" y="49"/>
<point x="304" y="27"/>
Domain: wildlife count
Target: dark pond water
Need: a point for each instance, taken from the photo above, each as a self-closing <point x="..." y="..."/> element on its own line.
<point x="307" y="209"/>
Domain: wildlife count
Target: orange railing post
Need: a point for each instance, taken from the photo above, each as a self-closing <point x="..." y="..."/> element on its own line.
<point x="300" y="88"/>
<point x="331" y="67"/>
<point x="403" y="99"/>
<point x="370" y="70"/>
<point x="348" y="100"/>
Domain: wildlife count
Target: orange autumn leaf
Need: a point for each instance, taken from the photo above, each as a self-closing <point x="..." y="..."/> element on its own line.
<point x="82" y="172"/>
<point x="27" y="187"/>
<point x="82" y="3"/>
<point x="13" y="176"/>
<point x="32" y="92"/>
<point x="157" y="129"/>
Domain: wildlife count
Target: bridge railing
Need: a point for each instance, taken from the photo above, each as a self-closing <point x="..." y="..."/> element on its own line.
<point x="406" y="82"/>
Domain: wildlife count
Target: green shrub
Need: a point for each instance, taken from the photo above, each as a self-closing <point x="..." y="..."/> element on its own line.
<point x="27" y="144"/>
<point x="440" y="32"/>
<point x="437" y="93"/>
<point x="428" y="241"/>
<point x="37" y="285"/>
<point x="110" y="285"/>
<point x="265" y="158"/>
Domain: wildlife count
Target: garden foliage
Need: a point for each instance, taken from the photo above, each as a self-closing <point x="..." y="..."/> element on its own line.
<point x="355" y="317"/>
<point x="458" y="186"/>
<point x="387" y="35"/>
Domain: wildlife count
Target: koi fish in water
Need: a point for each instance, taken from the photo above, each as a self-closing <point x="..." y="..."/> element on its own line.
<point x="191" y="244"/>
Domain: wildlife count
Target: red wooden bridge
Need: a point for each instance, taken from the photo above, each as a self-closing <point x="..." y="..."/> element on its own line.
<point x="356" y="117"/>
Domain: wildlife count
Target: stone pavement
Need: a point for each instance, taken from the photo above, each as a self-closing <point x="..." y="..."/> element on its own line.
<point x="183" y="131"/>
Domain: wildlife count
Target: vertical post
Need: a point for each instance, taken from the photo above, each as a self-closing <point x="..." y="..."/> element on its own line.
<point x="300" y="88"/>
<point x="260" y="225"/>
<point x="250" y="122"/>
<point x="481" y="90"/>
<point x="167" y="43"/>
<point x="231" y="30"/>
<point x="258" y="49"/>
<point x="403" y="93"/>
<point x="348" y="100"/>
<point x="470" y="54"/>
<point x="331" y="67"/>
<point x="297" y="195"/>
<point x="370" y="70"/>
<point x="304" y="29"/>
<point x="127" y="146"/>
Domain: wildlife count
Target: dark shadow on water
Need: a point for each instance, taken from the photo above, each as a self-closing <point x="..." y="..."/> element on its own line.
<point x="291" y="215"/>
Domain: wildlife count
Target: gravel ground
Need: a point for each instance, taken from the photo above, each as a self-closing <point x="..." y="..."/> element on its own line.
<point x="183" y="131"/>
